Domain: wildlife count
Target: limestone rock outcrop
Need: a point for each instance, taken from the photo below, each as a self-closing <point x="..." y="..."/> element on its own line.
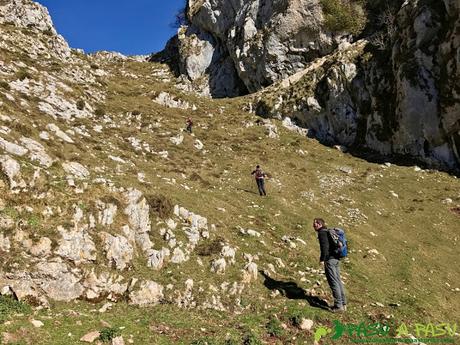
<point x="395" y="93"/>
<point x="232" y="47"/>
<point x="33" y="16"/>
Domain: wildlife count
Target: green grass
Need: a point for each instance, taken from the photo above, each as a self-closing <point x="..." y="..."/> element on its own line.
<point x="9" y="307"/>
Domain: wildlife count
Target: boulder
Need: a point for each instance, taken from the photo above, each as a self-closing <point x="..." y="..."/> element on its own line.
<point x="148" y="293"/>
<point x="118" y="250"/>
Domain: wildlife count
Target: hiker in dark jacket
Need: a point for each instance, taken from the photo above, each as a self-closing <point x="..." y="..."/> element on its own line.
<point x="331" y="263"/>
<point x="189" y="124"/>
<point x="260" y="179"/>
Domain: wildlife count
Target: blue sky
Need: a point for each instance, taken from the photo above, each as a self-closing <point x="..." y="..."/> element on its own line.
<point x="130" y="27"/>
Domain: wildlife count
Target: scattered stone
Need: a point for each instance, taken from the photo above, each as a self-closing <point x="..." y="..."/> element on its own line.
<point x="5" y="243"/>
<point x="60" y="134"/>
<point x="373" y="252"/>
<point x="42" y="248"/>
<point x="90" y="337"/>
<point x="44" y="135"/>
<point x="105" y="307"/>
<point x="279" y="262"/>
<point x="250" y="232"/>
<point x="149" y="293"/>
<point x="117" y="159"/>
<point x="12" y="148"/>
<point x="378" y="304"/>
<point x="37" y="323"/>
<point x="341" y="148"/>
<point x="346" y="170"/>
<point x="218" y="266"/>
<point x="37" y="152"/>
<point x="172" y="225"/>
<point x="12" y="170"/>
<point x="198" y="145"/>
<point x="287" y="123"/>
<point x="228" y="253"/>
<point x="167" y="100"/>
<point x="271" y="131"/>
<point x="118" y="341"/>
<point x="177" y="140"/>
<point x="306" y="324"/>
<point x="76" y="170"/>
<point x="250" y="272"/>
<point x="6" y="223"/>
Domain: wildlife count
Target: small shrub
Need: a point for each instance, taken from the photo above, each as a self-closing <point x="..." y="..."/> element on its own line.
<point x="161" y="205"/>
<point x="80" y="104"/>
<point x="344" y="15"/>
<point x="23" y="74"/>
<point x="136" y="112"/>
<point x="33" y="221"/>
<point x="94" y="66"/>
<point x="209" y="248"/>
<point x="100" y="111"/>
<point x="22" y="128"/>
<point x="9" y="306"/>
<point x="251" y="339"/>
<point x="274" y="327"/>
<point x="296" y="319"/>
<point x="55" y="67"/>
<point x="5" y="85"/>
<point x="108" y="333"/>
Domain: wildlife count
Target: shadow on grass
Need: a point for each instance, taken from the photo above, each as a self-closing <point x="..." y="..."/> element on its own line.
<point x="247" y="191"/>
<point x="291" y="290"/>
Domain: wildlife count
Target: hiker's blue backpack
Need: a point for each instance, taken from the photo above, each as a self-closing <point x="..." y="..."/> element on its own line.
<point x="340" y="242"/>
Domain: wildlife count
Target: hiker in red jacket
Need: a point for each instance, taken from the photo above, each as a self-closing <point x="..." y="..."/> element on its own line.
<point x="260" y="179"/>
<point x="189" y="124"/>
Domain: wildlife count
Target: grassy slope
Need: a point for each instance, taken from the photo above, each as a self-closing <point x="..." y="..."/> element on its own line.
<point x="416" y="234"/>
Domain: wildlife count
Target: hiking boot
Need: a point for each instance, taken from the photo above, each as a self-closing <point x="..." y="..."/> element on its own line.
<point x="338" y="309"/>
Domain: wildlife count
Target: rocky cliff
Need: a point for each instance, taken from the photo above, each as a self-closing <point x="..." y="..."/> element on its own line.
<point x="395" y="93"/>
<point x="233" y="47"/>
<point x="398" y="95"/>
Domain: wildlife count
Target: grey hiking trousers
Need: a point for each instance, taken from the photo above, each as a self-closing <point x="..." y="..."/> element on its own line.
<point x="332" y="270"/>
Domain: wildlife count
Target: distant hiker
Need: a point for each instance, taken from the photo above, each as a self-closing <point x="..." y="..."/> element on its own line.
<point x="189" y="124"/>
<point x="260" y="179"/>
<point x="330" y="260"/>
